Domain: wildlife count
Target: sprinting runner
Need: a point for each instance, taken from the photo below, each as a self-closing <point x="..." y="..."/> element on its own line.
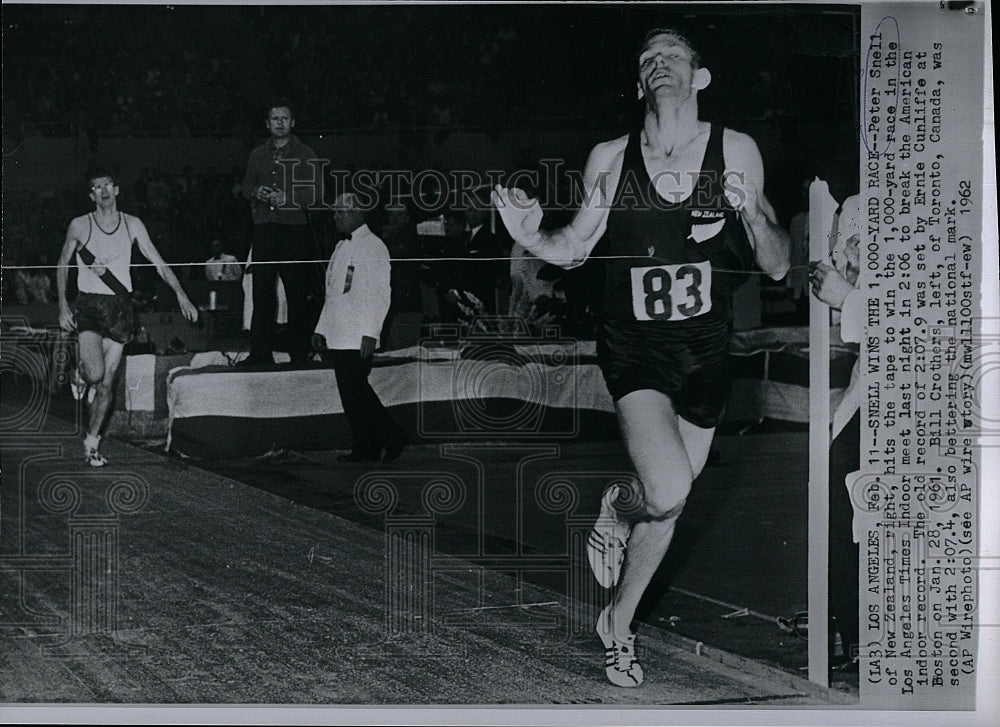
<point x="687" y="221"/>
<point x="102" y="243"/>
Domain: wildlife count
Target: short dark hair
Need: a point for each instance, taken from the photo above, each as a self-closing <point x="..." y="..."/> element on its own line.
<point x="673" y="33"/>
<point x="277" y="102"/>
<point x="97" y="173"/>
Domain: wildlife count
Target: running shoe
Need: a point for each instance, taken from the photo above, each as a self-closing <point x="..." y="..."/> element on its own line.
<point x="621" y="665"/>
<point x="91" y="455"/>
<point x="607" y="541"/>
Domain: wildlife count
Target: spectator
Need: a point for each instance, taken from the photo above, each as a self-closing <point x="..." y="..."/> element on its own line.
<point x="447" y="274"/>
<point x="399" y="232"/>
<point x="484" y="273"/>
<point x="796" y="280"/>
<point x="533" y="294"/>
<point x="30" y="286"/>
<point x="222" y="265"/>
<point x="158" y="194"/>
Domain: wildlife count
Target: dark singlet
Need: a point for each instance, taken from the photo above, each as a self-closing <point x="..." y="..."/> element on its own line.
<point x="680" y="254"/>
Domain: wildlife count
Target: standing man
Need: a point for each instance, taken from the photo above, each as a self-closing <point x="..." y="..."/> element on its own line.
<point x="357" y="301"/>
<point x="283" y="179"/>
<point x="483" y="271"/>
<point x="683" y="206"/>
<point x="102" y="243"/>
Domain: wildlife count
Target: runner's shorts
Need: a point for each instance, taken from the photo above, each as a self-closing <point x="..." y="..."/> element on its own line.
<point x="688" y="361"/>
<point x="109" y="316"/>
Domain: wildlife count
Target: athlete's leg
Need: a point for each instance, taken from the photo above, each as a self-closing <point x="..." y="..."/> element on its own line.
<point x="668" y="453"/>
<point x="698" y="443"/>
<point x="111" y="356"/>
<point x="91" y="364"/>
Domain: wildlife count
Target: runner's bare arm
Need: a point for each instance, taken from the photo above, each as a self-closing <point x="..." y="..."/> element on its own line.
<point x="567" y="246"/>
<point x="744" y="182"/>
<point x="148" y="249"/>
<point x="66" y="320"/>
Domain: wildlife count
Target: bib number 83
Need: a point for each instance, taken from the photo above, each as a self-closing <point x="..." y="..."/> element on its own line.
<point x="671" y="292"/>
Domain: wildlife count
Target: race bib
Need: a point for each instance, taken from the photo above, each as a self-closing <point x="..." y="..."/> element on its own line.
<point x="671" y="292"/>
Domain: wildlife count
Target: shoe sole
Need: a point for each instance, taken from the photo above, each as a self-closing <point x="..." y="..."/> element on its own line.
<point x="596" y="550"/>
<point x="606" y="570"/>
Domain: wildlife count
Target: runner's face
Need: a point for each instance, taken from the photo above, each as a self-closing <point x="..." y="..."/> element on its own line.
<point x="665" y="66"/>
<point x="280" y="122"/>
<point x="103" y="191"/>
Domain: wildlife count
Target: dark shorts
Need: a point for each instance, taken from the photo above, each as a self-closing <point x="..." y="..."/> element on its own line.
<point x="689" y="362"/>
<point x="109" y="316"/>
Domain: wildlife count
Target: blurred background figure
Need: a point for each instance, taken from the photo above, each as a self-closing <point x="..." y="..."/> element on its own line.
<point x="222" y="265"/>
<point x="535" y="294"/>
<point x="399" y="233"/>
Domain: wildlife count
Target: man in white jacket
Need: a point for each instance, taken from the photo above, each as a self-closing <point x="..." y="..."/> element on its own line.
<point x="355" y="306"/>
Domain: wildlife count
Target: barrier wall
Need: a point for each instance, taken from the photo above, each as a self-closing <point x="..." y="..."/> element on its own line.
<point x="439" y="390"/>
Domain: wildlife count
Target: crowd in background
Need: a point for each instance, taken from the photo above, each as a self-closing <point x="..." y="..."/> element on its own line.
<point x="106" y="70"/>
<point x="189" y="70"/>
<point x="192" y="74"/>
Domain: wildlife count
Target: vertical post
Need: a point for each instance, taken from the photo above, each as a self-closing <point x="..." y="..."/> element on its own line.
<point x="821" y="210"/>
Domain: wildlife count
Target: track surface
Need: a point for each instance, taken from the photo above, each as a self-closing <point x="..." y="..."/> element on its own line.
<point x="264" y="581"/>
<point x="740" y="544"/>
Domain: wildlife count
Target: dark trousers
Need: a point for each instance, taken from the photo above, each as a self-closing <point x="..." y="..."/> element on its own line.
<point x="370" y="423"/>
<point x="843" y="573"/>
<point x="280" y="242"/>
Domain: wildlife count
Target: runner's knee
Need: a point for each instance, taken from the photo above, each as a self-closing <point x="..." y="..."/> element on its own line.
<point x="670" y="513"/>
<point x="93" y="374"/>
<point x="667" y="499"/>
<point x="661" y="503"/>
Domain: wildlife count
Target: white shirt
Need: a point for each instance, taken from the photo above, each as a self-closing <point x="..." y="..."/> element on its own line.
<point x="224" y="267"/>
<point x="357" y="291"/>
<point x="112" y="249"/>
